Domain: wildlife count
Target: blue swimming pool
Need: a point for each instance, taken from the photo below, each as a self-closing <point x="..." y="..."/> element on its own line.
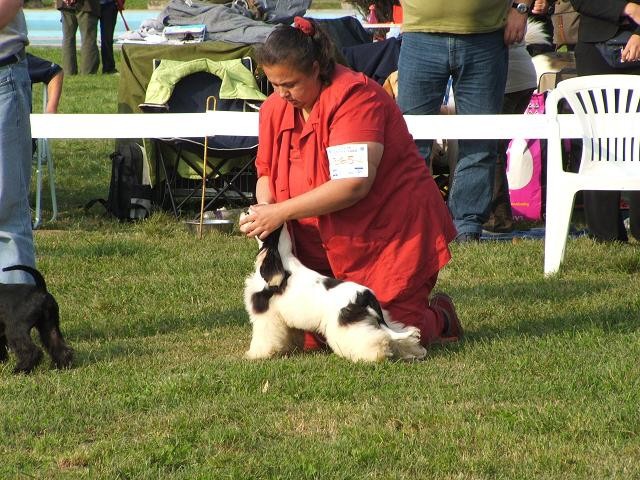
<point x="44" y="24"/>
<point x="45" y="30"/>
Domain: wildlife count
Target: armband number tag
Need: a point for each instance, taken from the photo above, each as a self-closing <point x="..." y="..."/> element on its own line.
<point x="348" y="161"/>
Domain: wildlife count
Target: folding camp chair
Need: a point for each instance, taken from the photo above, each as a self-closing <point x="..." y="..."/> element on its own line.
<point x="42" y="156"/>
<point x="184" y="87"/>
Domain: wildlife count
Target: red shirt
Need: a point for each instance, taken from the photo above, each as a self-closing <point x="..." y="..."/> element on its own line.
<point x="396" y="238"/>
<point x="305" y="233"/>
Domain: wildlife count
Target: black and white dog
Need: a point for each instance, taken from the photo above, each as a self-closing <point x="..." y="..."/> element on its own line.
<point x="22" y="307"/>
<point x="284" y="298"/>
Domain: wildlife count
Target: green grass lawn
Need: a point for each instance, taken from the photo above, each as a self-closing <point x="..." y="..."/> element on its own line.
<point x="546" y="383"/>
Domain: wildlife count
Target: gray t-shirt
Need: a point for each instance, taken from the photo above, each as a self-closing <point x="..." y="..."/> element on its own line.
<point x="13" y="37"/>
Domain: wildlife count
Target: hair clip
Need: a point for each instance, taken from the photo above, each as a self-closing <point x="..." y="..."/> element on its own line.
<point x="304" y="25"/>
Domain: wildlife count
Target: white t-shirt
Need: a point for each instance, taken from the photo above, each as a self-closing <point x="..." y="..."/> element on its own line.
<point x="522" y="73"/>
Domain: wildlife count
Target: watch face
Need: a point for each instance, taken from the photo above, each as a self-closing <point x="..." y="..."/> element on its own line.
<point x="522" y="8"/>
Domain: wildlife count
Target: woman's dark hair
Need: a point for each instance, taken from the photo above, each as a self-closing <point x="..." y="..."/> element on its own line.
<point x="291" y="46"/>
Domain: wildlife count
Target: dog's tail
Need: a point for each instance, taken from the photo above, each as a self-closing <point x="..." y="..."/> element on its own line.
<point x="39" y="279"/>
<point x="405" y="341"/>
<point x="536" y="34"/>
<point x="406" y="345"/>
<point x="272" y="269"/>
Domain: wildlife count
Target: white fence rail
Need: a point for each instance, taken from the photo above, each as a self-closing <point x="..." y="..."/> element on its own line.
<point x="162" y="125"/>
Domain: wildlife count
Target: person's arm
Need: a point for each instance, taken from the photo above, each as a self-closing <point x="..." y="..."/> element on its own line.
<point x="632" y="10"/>
<point x="516" y="25"/>
<point x="614" y="11"/>
<point x="611" y="10"/>
<point x="329" y="197"/>
<point x="54" y="91"/>
<point x="631" y="51"/>
<point x="263" y="191"/>
<point x="8" y="10"/>
<point x="540" y="7"/>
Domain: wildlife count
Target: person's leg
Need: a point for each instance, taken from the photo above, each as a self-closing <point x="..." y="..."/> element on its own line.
<point x="501" y="216"/>
<point x="90" y="60"/>
<point x="433" y="318"/>
<point x="423" y="73"/>
<point x="69" y="28"/>
<point x="634" y="214"/>
<point x="479" y="75"/>
<point x="601" y="208"/>
<point x="108" y="18"/>
<point x="603" y="216"/>
<point x="16" y="239"/>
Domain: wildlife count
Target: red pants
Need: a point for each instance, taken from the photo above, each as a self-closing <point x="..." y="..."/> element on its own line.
<point x="412" y="308"/>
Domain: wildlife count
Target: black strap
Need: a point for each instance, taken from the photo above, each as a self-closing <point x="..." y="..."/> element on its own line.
<point x="9" y="60"/>
<point x="91" y="203"/>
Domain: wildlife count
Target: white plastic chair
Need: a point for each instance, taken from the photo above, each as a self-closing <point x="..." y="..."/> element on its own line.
<point x="607" y="109"/>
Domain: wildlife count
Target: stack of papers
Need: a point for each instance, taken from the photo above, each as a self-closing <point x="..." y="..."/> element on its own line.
<point x="185" y="33"/>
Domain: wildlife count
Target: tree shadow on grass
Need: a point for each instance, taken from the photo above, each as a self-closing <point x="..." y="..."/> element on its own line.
<point x="552" y="307"/>
<point x="163" y="325"/>
<point x="146" y="338"/>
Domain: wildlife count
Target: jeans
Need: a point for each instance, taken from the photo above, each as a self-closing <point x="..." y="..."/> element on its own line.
<point x="501" y="216"/>
<point x="16" y="239"/>
<point x="477" y="63"/>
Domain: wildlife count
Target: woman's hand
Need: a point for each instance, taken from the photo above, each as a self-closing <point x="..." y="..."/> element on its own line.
<point x="632" y="10"/>
<point x="631" y="51"/>
<point x="540" y="7"/>
<point x="262" y="220"/>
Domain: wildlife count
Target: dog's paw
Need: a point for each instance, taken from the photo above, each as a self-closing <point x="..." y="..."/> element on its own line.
<point x="257" y="355"/>
<point x="63" y="358"/>
<point x="414" y="332"/>
<point x="28" y="361"/>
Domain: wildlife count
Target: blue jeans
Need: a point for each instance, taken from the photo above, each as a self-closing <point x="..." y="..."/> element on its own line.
<point x="16" y="240"/>
<point x="477" y="63"/>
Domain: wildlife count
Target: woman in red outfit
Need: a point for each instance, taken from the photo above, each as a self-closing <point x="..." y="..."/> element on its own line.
<point x="376" y="216"/>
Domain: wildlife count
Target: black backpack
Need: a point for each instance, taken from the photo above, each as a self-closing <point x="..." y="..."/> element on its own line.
<point x="129" y="194"/>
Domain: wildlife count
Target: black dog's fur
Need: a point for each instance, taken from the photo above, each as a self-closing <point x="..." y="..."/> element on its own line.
<point x="22" y="307"/>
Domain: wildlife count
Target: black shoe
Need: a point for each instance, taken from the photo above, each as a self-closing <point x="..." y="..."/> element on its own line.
<point x="498" y="224"/>
<point x="467" y="237"/>
<point x="453" y="328"/>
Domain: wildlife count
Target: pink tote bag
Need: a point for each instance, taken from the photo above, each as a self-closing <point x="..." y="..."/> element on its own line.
<point x="524" y="170"/>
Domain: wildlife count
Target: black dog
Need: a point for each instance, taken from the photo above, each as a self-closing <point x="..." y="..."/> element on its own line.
<point x="23" y="307"/>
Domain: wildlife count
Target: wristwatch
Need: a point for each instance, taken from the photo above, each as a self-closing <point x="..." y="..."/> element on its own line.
<point x="521" y="7"/>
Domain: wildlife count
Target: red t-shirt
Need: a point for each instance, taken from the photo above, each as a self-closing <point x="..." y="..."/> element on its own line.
<point x="396" y="238"/>
<point x="308" y="245"/>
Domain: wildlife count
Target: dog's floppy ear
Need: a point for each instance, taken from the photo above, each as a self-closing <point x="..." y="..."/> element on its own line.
<point x="272" y="270"/>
